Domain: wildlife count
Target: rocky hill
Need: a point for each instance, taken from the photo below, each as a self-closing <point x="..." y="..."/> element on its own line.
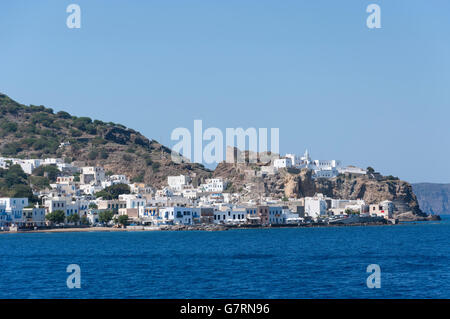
<point x="38" y="132"/>
<point x="433" y="198"/>
<point x="293" y="183"/>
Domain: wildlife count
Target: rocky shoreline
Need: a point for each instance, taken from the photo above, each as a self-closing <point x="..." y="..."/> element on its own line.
<point x="208" y="227"/>
<point x="405" y="217"/>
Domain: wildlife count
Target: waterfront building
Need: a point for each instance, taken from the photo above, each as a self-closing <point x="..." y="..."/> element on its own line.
<point x="111" y="204"/>
<point x="132" y="213"/>
<point x="11" y="210"/>
<point x="133" y="200"/>
<point x="179" y="215"/>
<point x="33" y="217"/>
<point x="230" y="215"/>
<point x="315" y="206"/>
<point x="384" y="209"/>
<point x="275" y="215"/>
<point x="262" y="214"/>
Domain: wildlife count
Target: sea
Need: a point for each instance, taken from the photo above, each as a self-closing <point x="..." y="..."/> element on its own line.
<point x="410" y="260"/>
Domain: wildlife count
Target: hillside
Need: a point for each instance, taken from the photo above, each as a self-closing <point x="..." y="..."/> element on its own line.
<point x="433" y="198"/>
<point x="37" y="132"/>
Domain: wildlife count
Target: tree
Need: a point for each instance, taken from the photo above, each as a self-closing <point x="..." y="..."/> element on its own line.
<point x="74" y="218"/>
<point x="370" y="170"/>
<point x="49" y="171"/>
<point x="105" y="216"/>
<point x="14" y="183"/>
<point x="123" y="220"/>
<point x="113" y="192"/>
<point x="56" y="217"/>
<point x="84" y="220"/>
<point x="39" y="182"/>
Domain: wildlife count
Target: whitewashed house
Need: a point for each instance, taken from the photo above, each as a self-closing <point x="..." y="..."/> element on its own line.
<point x="282" y="163"/>
<point x="177" y="183"/>
<point x="315" y="206"/>
<point x="214" y="185"/>
<point x="230" y="216"/>
<point x="179" y="215"/>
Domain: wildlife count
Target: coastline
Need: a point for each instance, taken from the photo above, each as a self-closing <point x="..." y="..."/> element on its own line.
<point x="213" y="227"/>
<point x="185" y="228"/>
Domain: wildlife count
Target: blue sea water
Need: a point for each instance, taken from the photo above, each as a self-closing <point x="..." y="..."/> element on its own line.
<point x="327" y="262"/>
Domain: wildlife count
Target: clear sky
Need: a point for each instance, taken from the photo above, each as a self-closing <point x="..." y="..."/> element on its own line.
<point x="377" y="97"/>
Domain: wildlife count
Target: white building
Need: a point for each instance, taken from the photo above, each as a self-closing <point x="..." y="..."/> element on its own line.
<point x="315" y="206"/>
<point x="329" y="173"/>
<point x="321" y="168"/>
<point x="66" y="205"/>
<point x="92" y="175"/>
<point x="179" y="215"/>
<point x="11" y="210"/>
<point x="275" y="215"/>
<point x="352" y="170"/>
<point x="133" y="200"/>
<point x="296" y="160"/>
<point x="282" y="162"/>
<point x="119" y="179"/>
<point x="28" y="165"/>
<point x="34" y="216"/>
<point x="230" y="216"/>
<point x="178" y="182"/>
<point x="89" y="189"/>
<point x="384" y="209"/>
<point x="141" y="188"/>
<point x="190" y="193"/>
<point x="63" y="189"/>
<point x="214" y="185"/>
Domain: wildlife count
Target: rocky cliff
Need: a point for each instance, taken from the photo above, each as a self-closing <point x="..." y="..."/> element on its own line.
<point x="433" y="198"/>
<point x="292" y="183"/>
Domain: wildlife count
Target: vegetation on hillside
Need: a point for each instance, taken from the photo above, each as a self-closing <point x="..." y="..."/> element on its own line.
<point x="113" y="192"/>
<point x="15" y="183"/>
<point x="39" y="132"/>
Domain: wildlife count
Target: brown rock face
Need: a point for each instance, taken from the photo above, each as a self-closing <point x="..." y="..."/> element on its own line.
<point x="372" y="188"/>
<point x="367" y="187"/>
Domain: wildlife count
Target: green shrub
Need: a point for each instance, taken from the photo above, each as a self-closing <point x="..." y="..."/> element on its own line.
<point x="8" y="127"/>
<point x="155" y="166"/>
<point x="92" y="155"/>
<point x="127" y="158"/>
<point x="12" y="149"/>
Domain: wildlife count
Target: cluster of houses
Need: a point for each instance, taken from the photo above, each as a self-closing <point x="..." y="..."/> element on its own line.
<point x="28" y="165"/>
<point x="321" y="168"/>
<point x="178" y="203"/>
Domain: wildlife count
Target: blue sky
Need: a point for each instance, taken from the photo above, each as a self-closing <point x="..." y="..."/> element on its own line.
<point x="375" y="97"/>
